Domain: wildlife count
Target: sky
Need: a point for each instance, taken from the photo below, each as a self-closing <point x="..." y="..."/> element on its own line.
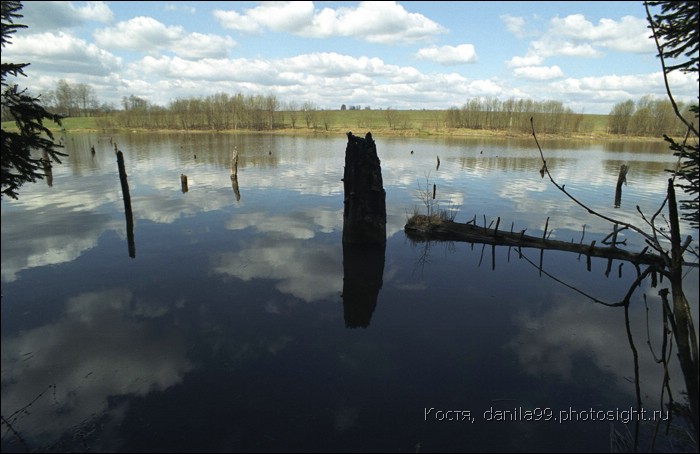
<point x="384" y="54"/>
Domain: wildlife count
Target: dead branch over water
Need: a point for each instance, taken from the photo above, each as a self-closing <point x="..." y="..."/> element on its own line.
<point x="420" y="228"/>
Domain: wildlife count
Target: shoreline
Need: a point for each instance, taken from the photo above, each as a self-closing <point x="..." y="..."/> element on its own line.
<point x="446" y="133"/>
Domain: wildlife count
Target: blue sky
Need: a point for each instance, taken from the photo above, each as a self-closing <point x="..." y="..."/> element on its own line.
<point x="403" y="55"/>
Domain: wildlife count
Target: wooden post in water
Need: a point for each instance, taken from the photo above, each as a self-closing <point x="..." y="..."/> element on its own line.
<point x="127" y="205"/>
<point x="234" y="162"/>
<point x="234" y="173"/>
<point x="183" y="183"/>
<point x="621" y="178"/>
<point x="48" y="168"/>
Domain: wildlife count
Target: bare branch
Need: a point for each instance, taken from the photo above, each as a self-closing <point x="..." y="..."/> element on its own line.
<point x="582" y="205"/>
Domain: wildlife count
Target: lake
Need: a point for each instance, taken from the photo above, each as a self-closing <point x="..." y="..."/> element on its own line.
<point x="220" y="321"/>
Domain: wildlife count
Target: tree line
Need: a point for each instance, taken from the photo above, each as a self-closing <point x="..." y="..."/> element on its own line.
<point x="214" y="112"/>
<point x="222" y="111"/>
<point x="514" y="115"/>
<point x="647" y="117"/>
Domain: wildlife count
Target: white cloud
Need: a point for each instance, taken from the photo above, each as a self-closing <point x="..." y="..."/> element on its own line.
<point x="378" y="22"/>
<point x="139" y="34"/>
<point x="529" y="60"/>
<point x="515" y="25"/>
<point x="333" y="64"/>
<point x="180" y="7"/>
<point x="283" y="16"/>
<point x="47" y="16"/>
<point x="449" y="55"/>
<point x="147" y="34"/>
<point x="61" y="53"/>
<point x="234" y="21"/>
<point x="595" y="92"/>
<point x="575" y="36"/>
<point x="381" y="22"/>
<point x="554" y="46"/>
<point x="487" y="87"/>
<point x="290" y="17"/>
<point x="630" y="34"/>
<point x="326" y="79"/>
<point x="197" y="45"/>
<point x="612" y="82"/>
<point x="319" y="68"/>
<point x="538" y="72"/>
<point x="95" y="11"/>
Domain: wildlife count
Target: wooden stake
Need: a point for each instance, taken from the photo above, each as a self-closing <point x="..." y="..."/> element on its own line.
<point x="183" y="182"/>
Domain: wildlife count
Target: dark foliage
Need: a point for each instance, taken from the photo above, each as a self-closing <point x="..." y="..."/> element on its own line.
<point x="19" y="165"/>
<point x="688" y="172"/>
<point x="678" y="37"/>
<point x="677" y="24"/>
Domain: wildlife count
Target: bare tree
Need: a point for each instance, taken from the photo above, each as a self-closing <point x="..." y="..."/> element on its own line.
<point x="293" y="114"/>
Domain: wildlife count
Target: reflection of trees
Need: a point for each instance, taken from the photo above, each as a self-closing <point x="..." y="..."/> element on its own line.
<point x="504" y="163"/>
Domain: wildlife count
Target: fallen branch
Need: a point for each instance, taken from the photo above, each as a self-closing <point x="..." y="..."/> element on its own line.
<point x="419" y="228"/>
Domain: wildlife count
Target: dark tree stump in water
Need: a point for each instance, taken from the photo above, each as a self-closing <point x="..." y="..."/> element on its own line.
<point x="364" y="215"/>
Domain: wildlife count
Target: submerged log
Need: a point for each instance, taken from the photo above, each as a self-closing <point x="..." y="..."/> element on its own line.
<point x="364" y="214"/>
<point x="429" y="228"/>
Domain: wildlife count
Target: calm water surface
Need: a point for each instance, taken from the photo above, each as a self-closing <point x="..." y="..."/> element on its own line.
<point x="236" y="321"/>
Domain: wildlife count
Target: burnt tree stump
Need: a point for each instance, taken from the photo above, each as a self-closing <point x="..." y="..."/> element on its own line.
<point x="364" y="214"/>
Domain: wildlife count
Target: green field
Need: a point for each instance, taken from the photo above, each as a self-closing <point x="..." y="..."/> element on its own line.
<point x="405" y="122"/>
<point x="70" y="124"/>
